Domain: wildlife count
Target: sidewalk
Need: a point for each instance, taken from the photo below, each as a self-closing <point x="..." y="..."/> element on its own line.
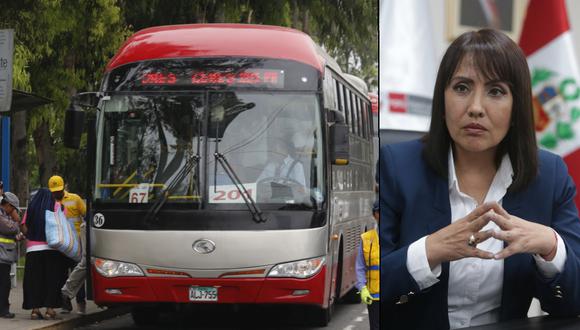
<point x="67" y="321"/>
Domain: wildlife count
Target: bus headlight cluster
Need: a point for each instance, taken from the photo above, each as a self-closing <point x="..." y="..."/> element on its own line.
<point x="111" y="268"/>
<point x="299" y="269"/>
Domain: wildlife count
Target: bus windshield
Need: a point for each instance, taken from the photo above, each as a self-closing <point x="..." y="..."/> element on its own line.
<point x="271" y="141"/>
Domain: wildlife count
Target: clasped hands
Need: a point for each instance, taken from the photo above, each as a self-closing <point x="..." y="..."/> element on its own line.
<point x="451" y="242"/>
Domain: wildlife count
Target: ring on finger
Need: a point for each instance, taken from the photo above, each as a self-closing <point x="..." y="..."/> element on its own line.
<point x="472" y="241"/>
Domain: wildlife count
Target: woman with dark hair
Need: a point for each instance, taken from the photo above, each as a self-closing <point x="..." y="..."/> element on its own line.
<point x="475" y="219"/>
<point x="45" y="269"/>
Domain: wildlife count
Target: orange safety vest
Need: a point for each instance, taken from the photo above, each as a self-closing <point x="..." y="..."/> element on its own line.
<point x="371" y="253"/>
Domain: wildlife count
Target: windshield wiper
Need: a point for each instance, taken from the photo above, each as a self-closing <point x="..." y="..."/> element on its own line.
<point x="250" y="203"/>
<point x="190" y="163"/>
<point x="252" y="207"/>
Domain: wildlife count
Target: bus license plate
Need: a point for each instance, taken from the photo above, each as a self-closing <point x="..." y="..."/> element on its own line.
<point x="200" y="293"/>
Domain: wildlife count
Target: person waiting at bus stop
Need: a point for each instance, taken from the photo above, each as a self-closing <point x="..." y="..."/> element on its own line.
<point x="75" y="210"/>
<point x="45" y="268"/>
<point x="475" y="219"/>
<point x="9" y="228"/>
<point x="367" y="271"/>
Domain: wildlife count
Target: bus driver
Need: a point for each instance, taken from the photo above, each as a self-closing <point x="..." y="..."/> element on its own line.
<point x="285" y="165"/>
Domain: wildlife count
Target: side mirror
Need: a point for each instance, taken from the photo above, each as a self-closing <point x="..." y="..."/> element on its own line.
<point x="74" y="123"/>
<point x="333" y="116"/>
<point x="87" y="99"/>
<point x="339" y="146"/>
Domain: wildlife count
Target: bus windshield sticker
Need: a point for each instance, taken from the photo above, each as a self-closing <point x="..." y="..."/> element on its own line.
<point x="98" y="220"/>
<point x="139" y="194"/>
<point x="222" y="194"/>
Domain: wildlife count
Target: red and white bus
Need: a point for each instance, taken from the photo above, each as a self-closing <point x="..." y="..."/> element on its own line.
<point x="184" y="206"/>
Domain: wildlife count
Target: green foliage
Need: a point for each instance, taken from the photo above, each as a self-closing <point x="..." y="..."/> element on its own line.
<point x="275" y="12"/>
<point x="349" y="32"/>
<point x="61" y="47"/>
<point x="21" y="76"/>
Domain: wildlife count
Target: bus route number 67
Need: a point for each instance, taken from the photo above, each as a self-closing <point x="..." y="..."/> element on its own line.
<point x="139" y="194"/>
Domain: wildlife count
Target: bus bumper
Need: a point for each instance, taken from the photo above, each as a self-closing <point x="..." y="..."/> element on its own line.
<point x="116" y="290"/>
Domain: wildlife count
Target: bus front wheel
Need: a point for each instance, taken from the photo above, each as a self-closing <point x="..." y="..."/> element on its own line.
<point x="144" y="315"/>
<point x="319" y="316"/>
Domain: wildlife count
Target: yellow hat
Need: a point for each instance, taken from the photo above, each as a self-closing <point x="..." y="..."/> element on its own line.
<point x="55" y="183"/>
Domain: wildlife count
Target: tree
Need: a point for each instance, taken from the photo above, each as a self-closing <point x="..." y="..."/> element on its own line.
<point x="349" y="32"/>
<point x="61" y="48"/>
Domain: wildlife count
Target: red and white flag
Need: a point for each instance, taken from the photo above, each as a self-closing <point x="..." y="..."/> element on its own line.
<point x="547" y="42"/>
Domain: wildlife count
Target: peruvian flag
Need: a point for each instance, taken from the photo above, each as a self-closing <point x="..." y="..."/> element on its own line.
<point x="547" y="42"/>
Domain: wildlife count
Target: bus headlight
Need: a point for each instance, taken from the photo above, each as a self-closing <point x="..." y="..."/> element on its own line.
<point x="111" y="268"/>
<point x="299" y="269"/>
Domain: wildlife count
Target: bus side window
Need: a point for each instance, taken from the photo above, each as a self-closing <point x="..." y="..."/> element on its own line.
<point x="346" y="94"/>
<point x="342" y="103"/>
<point x="353" y="111"/>
<point x="360" y="122"/>
<point x="329" y="90"/>
<point x="338" y="96"/>
<point x="357" y="113"/>
<point x="364" y="120"/>
<point x="347" y="107"/>
<point x="367" y="126"/>
<point x="367" y="110"/>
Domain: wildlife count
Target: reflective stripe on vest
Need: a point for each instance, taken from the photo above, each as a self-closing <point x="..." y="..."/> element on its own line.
<point x="371" y="253"/>
<point x="6" y="240"/>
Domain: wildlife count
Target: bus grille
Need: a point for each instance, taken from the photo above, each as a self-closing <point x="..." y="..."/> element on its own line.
<point x="352" y="239"/>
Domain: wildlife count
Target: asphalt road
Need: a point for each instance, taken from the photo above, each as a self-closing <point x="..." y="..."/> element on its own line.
<point x="345" y="317"/>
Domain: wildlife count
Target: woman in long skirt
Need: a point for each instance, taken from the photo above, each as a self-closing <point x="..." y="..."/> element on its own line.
<point x="45" y="270"/>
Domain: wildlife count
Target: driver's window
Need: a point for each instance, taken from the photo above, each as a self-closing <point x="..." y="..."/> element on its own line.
<point x="269" y="142"/>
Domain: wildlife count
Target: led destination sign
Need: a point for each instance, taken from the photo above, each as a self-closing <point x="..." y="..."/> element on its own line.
<point x="249" y="77"/>
<point x="213" y="73"/>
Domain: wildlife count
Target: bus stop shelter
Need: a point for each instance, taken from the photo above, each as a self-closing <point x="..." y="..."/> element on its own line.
<point x="21" y="101"/>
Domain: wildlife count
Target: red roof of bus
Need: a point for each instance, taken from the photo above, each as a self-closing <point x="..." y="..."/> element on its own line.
<point x="214" y="40"/>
